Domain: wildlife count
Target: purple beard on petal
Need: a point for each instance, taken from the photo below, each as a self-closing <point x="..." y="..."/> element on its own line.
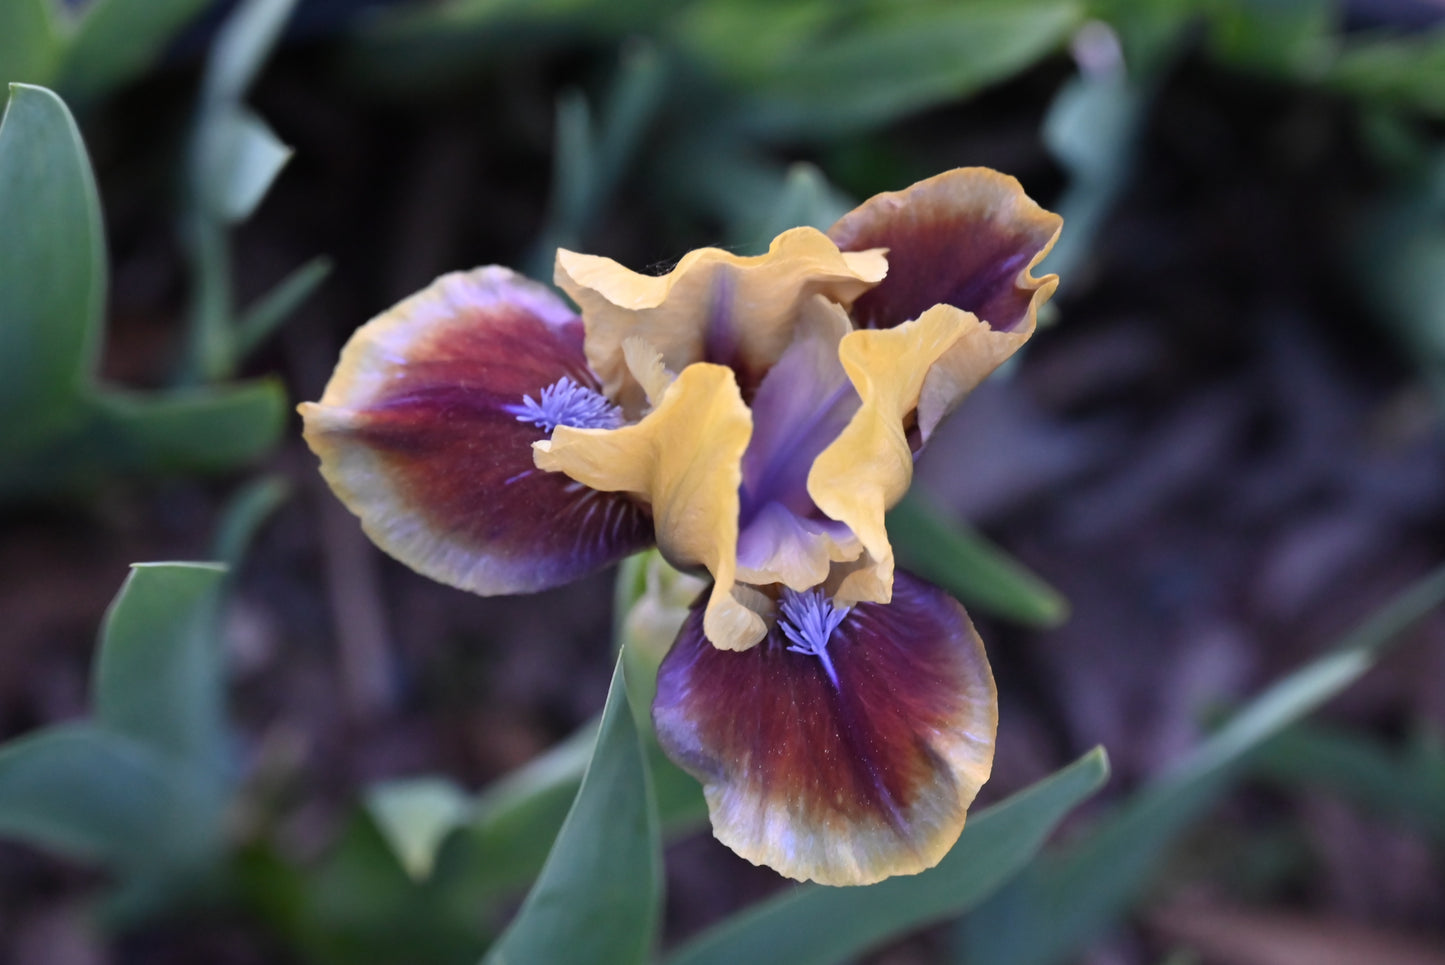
<point x="853" y="740"/>
<point x="801" y="405"/>
<point x="447" y="431"/>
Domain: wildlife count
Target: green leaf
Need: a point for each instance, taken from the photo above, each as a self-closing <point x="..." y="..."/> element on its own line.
<point x="184" y="432"/>
<point x="29" y="43"/>
<point x="237" y="156"/>
<point x="517" y="818"/>
<point x="234" y="159"/>
<point x="963" y="562"/>
<point x="590" y="159"/>
<point x="1282" y="37"/>
<point x="805" y="198"/>
<point x="85" y="792"/>
<point x="240" y="158"/>
<point x="144" y="787"/>
<point x="193" y="431"/>
<point x="1092" y="129"/>
<point x="242" y="45"/>
<point x="412" y="46"/>
<point x="598" y="897"/>
<point x="158" y="674"/>
<point x="415" y="816"/>
<point x="908" y="58"/>
<point x="52" y="265"/>
<point x="357" y="905"/>
<point x="515" y="821"/>
<point x="1057" y="906"/>
<point x="1398" y="72"/>
<point x="1150" y="31"/>
<point x="1399" y="258"/>
<point x="813" y="925"/>
<point x="263" y="318"/>
<point x="1407" y="784"/>
<point x="244" y="514"/>
<point x="118" y="39"/>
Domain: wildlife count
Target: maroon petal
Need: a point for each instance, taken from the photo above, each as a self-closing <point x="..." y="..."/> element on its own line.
<point x="847" y="766"/>
<point x="966" y="238"/>
<point x="419" y="434"/>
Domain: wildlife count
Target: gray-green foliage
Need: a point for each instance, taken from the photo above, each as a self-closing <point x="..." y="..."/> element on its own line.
<point x="65" y="428"/>
<point x="233" y="159"/>
<point x="1400" y="263"/>
<point x="1406" y="783"/>
<point x="85" y="51"/>
<point x="509" y="827"/>
<point x="142" y="787"/>
<point x="599" y="896"/>
<point x="965" y="563"/>
<point x="1055" y="908"/>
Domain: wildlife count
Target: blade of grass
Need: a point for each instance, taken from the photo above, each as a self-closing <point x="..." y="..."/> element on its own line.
<point x="963" y="562"/>
<point x="599" y="894"/>
<point x="1056" y="907"/>
<point x="273" y="308"/>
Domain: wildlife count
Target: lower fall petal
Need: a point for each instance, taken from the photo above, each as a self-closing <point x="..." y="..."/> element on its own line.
<point x="969" y="238"/>
<point x="419" y="435"/>
<point x="846" y="765"/>
<point x="685" y="459"/>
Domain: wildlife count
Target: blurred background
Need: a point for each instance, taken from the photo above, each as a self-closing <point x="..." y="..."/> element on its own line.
<point x="1221" y="451"/>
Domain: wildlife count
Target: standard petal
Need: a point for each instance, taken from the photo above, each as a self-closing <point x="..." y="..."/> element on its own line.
<point x="685" y="459"/>
<point x="418" y="435"/>
<point x="968" y="238"/>
<point x="714" y="306"/>
<point x="869" y="466"/>
<point x="847" y="777"/>
<point x="801" y="405"/>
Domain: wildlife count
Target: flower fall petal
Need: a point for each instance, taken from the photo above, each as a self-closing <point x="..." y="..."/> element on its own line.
<point x="419" y="435"/>
<point x="846" y="760"/>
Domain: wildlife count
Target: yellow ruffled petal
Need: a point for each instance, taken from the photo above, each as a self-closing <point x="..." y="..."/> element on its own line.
<point x="714" y="306"/>
<point x="685" y="458"/>
<point x="969" y="238"/>
<point x="931" y="361"/>
<point x="978" y="351"/>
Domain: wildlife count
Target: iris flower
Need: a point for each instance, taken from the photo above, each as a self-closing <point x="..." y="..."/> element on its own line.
<point x="754" y="417"/>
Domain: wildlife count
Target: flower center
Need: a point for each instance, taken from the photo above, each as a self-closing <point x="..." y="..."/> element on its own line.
<point x="566" y="403"/>
<point x="809" y="619"/>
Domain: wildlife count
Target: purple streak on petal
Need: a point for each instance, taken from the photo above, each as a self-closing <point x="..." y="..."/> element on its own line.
<point x="453" y="446"/>
<point x="869" y="750"/>
<point x="773" y="530"/>
<point x="804" y="401"/>
<point x="720" y="344"/>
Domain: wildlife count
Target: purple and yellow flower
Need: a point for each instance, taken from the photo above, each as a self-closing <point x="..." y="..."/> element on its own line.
<point x="755" y="417"/>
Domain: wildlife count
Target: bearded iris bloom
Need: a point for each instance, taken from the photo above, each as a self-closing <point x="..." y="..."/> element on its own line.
<point x="754" y="417"/>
